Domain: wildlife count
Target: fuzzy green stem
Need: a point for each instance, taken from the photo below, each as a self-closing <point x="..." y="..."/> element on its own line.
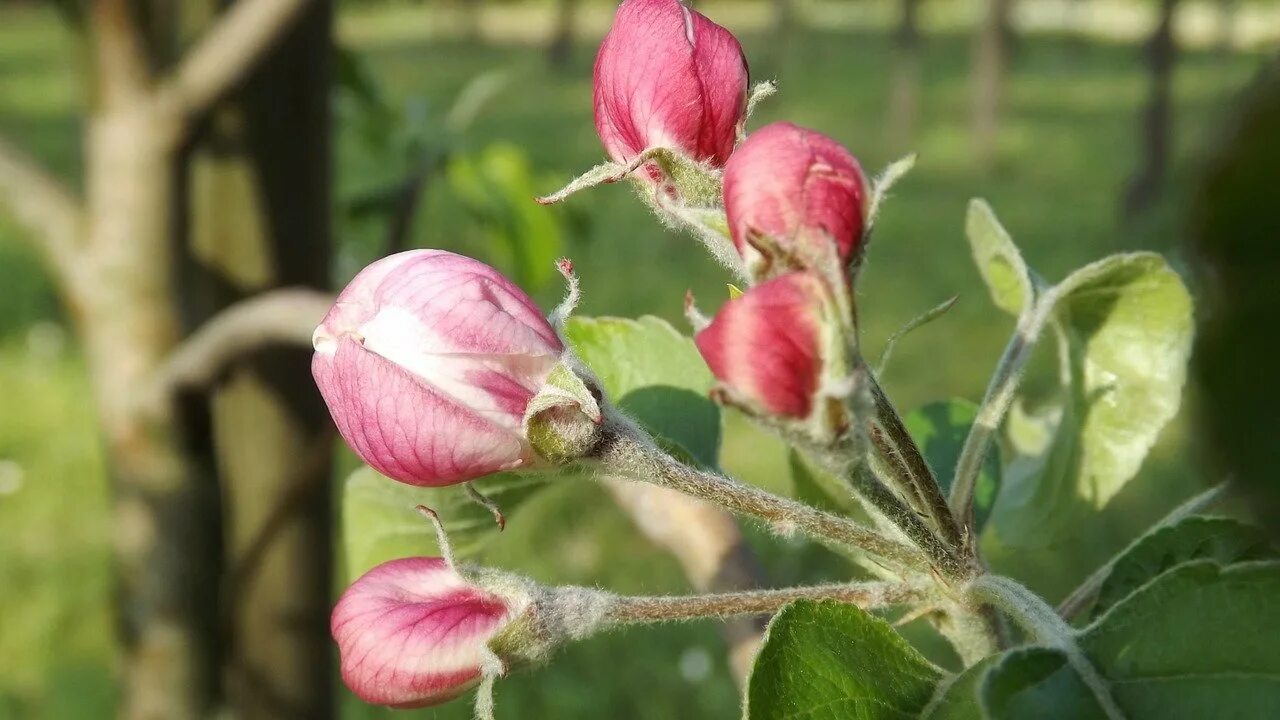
<point x="1044" y="627"/>
<point x="866" y="595"/>
<point x="625" y="450"/>
<point x="999" y="396"/>
<point x="1085" y="593"/>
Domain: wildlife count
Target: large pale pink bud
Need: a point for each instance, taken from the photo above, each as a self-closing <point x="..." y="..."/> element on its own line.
<point x="427" y="361"/>
<point x="794" y="191"/>
<point x="666" y="76"/>
<point x="413" y="632"/>
<point x="766" y="346"/>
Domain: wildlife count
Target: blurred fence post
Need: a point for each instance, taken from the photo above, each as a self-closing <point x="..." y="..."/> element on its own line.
<point x="258" y="218"/>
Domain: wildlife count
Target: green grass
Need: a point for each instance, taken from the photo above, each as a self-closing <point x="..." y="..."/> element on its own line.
<point x="1068" y="144"/>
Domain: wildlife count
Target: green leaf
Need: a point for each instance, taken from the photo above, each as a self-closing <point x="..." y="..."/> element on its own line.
<point x="940" y="429"/>
<point x="1036" y="683"/>
<point x="998" y="259"/>
<point x="1199" y="641"/>
<point x="1128" y="317"/>
<point x="1223" y="540"/>
<point x="655" y="375"/>
<point x="1125" y="334"/>
<point x="827" y="660"/>
<point x="380" y="523"/>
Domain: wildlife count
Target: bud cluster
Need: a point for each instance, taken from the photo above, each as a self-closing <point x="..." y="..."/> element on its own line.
<point x="438" y="370"/>
<point x="671" y="83"/>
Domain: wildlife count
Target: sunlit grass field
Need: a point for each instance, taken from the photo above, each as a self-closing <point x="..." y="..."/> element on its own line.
<point x="1070" y="139"/>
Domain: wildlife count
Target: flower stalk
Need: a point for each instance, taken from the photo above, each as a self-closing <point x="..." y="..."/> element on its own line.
<point x="866" y="595"/>
<point x="628" y="451"/>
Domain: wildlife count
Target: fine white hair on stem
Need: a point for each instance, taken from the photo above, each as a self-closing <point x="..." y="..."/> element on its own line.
<point x="442" y="538"/>
<point x="573" y="295"/>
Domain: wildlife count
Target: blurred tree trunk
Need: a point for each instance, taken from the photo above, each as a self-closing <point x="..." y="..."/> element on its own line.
<point x="988" y="76"/>
<point x="166" y="509"/>
<point x="115" y="258"/>
<point x="904" y="83"/>
<point x="1155" y="126"/>
<point x="561" y="48"/>
<point x="257" y="218"/>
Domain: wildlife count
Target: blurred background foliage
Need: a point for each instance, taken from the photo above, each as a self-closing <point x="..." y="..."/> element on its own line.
<point x="450" y="119"/>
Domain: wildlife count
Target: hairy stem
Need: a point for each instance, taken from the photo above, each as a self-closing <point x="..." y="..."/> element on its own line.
<point x="625" y="450"/>
<point x="1082" y="595"/>
<point x="999" y="396"/>
<point x="639" y="609"/>
<point x="1044" y="627"/>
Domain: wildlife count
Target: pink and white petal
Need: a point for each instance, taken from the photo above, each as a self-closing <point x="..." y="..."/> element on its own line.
<point x="765" y="344"/>
<point x="412" y="632"/>
<point x="405" y="428"/>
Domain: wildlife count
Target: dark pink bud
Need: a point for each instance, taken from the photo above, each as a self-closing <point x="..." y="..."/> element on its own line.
<point x="413" y="632"/>
<point x="797" y="190"/>
<point x="766" y="346"/>
<point x="427" y="362"/>
<point x="666" y="76"/>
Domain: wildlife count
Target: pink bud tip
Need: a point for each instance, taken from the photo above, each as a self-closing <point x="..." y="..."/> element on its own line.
<point x="427" y="361"/>
<point x="413" y="632"/>
<point x="565" y="266"/>
<point x="797" y="187"/>
<point x="766" y="345"/>
<point x="666" y="76"/>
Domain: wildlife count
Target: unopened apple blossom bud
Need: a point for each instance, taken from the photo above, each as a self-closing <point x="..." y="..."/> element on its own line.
<point x="415" y="631"/>
<point x="428" y="361"/>
<point x="794" y="198"/>
<point x="768" y="346"/>
<point x="666" y="76"/>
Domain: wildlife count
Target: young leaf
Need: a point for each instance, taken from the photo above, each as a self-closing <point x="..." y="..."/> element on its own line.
<point x="831" y="661"/>
<point x="1036" y="682"/>
<point x="656" y="375"/>
<point x="998" y="259"/>
<point x="1126" y="325"/>
<point x="940" y="429"/>
<point x="379" y="522"/>
<point x="1196" y="642"/>
<point x="1223" y="540"/>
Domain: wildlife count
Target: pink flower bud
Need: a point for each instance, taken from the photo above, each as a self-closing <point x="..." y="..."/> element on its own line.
<point x="427" y="361"/>
<point x="666" y="76"/>
<point x="413" y="632"/>
<point x="796" y="189"/>
<point x="766" y="346"/>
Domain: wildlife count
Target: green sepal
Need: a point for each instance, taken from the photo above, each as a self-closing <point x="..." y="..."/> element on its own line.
<point x="562" y="421"/>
